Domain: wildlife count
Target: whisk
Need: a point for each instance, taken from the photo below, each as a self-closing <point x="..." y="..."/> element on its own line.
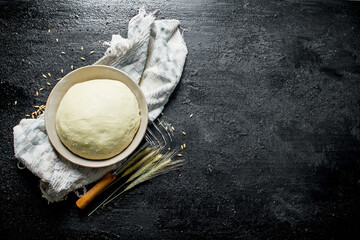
<point x="149" y="160"/>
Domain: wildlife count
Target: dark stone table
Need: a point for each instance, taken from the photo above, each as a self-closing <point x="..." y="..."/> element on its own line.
<point x="273" y="146"/>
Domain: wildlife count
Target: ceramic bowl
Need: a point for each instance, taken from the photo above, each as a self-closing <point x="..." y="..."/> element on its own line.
<point x="81" y="75"/>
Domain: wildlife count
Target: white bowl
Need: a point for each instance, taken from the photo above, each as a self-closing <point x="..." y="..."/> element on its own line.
<point x="81" y="75"/>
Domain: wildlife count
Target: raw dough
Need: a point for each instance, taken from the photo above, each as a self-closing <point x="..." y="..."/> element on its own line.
<point x="98" y="119"/>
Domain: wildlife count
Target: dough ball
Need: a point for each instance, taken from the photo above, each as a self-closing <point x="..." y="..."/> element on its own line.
<point x="98" y="119"/>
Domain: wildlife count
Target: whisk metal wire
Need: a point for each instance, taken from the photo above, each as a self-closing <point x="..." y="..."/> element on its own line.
<point x="152" y="140"/>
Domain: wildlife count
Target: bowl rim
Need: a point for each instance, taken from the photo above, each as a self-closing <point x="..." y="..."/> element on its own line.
<point x="78" y="160"/>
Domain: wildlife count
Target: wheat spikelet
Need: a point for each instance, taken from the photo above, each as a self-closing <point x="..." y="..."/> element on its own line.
<point x="141" y="162"/>
<point x="163" y="166"/>
<point x="148" y="164"/>
<point x="133" y="160"/>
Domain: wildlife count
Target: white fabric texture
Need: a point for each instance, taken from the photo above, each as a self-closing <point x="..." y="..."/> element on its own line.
<point x="153" y="55"/>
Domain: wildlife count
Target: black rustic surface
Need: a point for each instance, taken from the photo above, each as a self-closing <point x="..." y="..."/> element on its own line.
<point x="273" y="147"/>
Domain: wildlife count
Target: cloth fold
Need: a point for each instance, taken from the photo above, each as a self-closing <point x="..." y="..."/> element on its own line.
<point x="153" y="55"/>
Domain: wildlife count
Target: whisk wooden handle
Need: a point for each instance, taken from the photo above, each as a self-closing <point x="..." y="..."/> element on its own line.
<point x="95" y="190"/>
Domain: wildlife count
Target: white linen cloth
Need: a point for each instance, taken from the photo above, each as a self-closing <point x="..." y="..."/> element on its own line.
<point x="153" y="55"/>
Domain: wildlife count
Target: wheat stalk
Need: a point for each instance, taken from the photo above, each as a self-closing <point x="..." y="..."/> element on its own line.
<point x="140" y="162"/>
<point x="133" y="160"/>
<point x="137" y="155"/>
<point x="145" y="167"/>
<point x="148" y="164"/>
<point x="163" y="166"/>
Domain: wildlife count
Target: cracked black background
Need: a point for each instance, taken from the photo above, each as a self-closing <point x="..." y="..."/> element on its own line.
<point x="272" y="149"/>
